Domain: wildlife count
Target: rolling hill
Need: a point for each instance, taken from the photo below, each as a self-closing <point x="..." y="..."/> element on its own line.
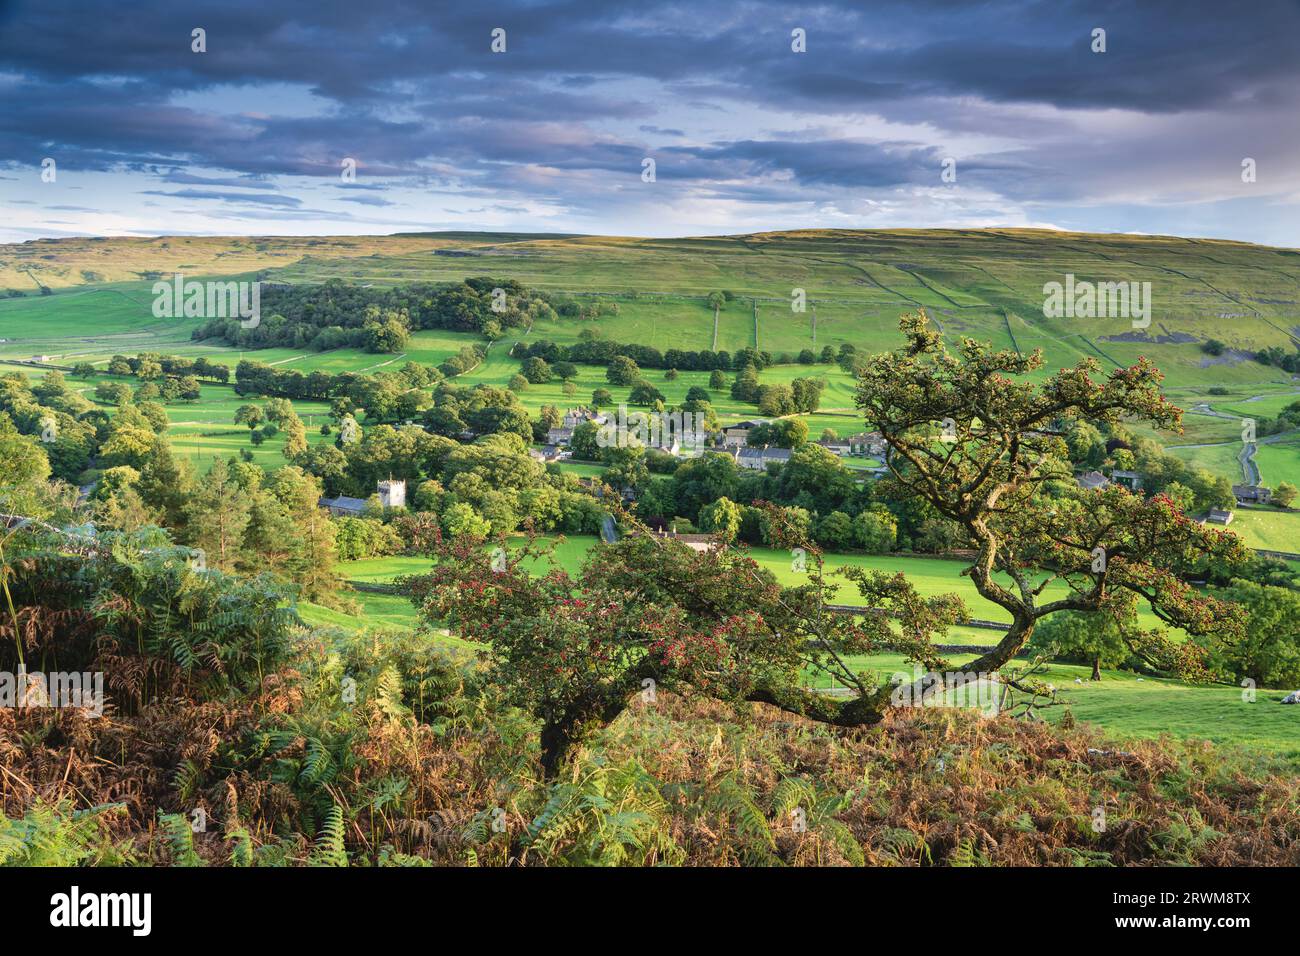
<point x="983" y="283"/>
<point x="87" y="299"/>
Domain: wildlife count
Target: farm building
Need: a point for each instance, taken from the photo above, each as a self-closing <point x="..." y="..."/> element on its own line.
<point x="1093" y="479"/>
<point x="1219" y="516"/>
<point x="758" y="459"/>
<point x="546" y="453"/>
<point x="696" y="542"/>
<point x="840" y="449"/>
<point x="737" y="435"/>
<point x="574" y="417"/>
<point x="867" y="445"/>
<point x="1129" y="479"/>
<point x="1252" y="494"/>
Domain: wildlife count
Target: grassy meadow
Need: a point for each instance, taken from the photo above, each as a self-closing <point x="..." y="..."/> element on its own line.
<point x="204" y="430"/>
<point x="985" y="284"/>
<point x="1124" y="703"/>
<point x="982" y="283"/>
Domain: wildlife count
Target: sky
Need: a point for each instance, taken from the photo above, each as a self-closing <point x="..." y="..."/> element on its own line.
<point x="384" y="116"/>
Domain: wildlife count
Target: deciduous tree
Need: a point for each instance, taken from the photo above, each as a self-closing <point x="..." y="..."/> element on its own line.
<point x="970" y="434"/>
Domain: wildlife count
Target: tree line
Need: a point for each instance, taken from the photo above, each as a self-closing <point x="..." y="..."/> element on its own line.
<point x="336" y="314"/>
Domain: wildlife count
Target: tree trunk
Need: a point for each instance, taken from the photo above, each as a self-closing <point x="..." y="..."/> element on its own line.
<point x="1022" y="628"/>
<point x="584" y="716"/>
<point x="556" y="741"/>
<point x="1096" y="667"/>
<point x="563" y="732"/>
<point x="853" y="712"/>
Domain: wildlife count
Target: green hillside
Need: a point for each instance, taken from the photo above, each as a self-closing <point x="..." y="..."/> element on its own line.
<point x="984" y="283"/>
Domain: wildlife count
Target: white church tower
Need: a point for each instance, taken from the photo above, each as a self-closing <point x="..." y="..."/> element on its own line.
<point x="392" y="494"/>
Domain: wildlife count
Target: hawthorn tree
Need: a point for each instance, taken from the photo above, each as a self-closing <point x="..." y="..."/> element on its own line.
<point x="646" y="613"/>
<point x="974" y="436"/>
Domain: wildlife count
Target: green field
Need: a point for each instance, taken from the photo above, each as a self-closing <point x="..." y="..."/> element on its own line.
<point x="1130" y="706"/>
<point x="981" y="283"/>
<point x="1218" y="459"/>
<point x="1268" y="528"/>
<point x="930" y="577"/>
<point x="376" y="610"/>
<point x="582" y="469"/>
<point x="1279" y="461"/>
<point x="1122" y="702"/>
<point x="204" y="430"/>
<point x="984" y="283"/>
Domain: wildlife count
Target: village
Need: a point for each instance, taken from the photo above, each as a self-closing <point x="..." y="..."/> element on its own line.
<point x="732" y="440"/>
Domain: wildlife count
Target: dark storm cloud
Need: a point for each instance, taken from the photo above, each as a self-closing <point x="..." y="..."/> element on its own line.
<point x="1161" y="53"/>
<point x="412" y="93"/>
<point x="822" y="162"/>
